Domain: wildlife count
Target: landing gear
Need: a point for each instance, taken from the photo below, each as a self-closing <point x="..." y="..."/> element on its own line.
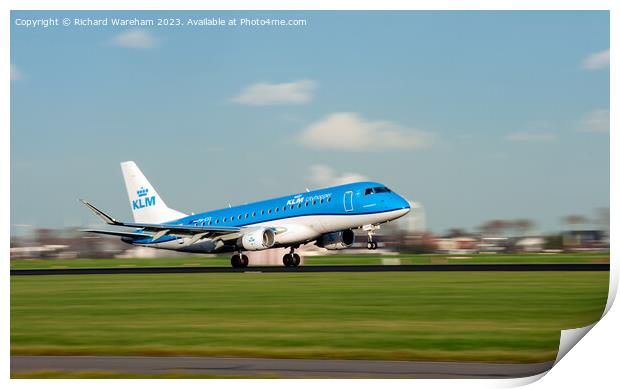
<point x="292" y="259"/>
<point x="239" y="261"/>
<point x="372" y="243"/>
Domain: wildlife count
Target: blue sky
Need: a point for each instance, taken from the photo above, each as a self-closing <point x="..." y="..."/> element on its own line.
<point x="477" y="115"/>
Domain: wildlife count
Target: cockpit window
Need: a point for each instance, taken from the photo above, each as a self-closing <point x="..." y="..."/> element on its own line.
<point x="378" y="189"/>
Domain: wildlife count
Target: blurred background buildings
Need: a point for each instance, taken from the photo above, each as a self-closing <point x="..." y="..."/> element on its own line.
<point x="406" y="235"/>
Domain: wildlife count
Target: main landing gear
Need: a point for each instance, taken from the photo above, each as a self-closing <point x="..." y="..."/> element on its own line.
<point x="239" y="260"/>
<point x="291" y="259"/>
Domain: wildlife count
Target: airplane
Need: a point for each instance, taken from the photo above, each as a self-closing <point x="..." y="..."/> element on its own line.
<point x="326" y="217"/>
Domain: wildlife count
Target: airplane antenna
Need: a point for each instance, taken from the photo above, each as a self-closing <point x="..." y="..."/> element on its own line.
<point x="229" y="206"/>
<point x="307" y="190"/>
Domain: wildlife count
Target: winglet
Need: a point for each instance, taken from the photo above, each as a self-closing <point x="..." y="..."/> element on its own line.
<point x="107" y="219"/>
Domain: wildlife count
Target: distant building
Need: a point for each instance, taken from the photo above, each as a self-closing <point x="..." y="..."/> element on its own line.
<point x="585" y="239"/>
<point x="493" y="244"/>
<point x="531" y="244"/>
<point x="457" y="244"/>
<point x="414" y="221"/>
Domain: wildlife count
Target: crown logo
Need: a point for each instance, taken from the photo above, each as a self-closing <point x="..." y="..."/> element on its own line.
<point x="142" y="192"/>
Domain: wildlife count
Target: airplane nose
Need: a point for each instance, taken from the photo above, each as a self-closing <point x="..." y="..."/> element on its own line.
<point x="405" y="206"/>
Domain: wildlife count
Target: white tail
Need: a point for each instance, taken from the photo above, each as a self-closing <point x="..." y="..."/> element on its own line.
<point x="146" y="204"/>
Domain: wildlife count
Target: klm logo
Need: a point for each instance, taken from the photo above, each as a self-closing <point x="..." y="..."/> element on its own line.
<point x="295" y="200"/>
<point x="298" y="199"/>
<point x="143" y="200"/>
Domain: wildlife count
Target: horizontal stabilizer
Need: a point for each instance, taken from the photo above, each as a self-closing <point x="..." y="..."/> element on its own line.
<point x="157" y="231"/>
<point x="106" y="219"/>
<point x="125" y="234"/>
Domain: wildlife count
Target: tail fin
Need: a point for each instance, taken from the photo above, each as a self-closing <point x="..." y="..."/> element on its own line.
<point x="146" y="205"/>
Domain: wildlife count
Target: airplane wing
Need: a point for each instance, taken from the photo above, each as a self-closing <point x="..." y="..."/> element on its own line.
<point x="156" y="231"/>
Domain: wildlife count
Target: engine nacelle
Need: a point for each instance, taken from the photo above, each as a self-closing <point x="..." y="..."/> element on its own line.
<point x="259" y="239"/>
<point x="336" y="240"/>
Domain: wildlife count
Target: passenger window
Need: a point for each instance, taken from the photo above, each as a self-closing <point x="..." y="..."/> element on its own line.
<point x="224" y="220"/>
<point x="269" y="211"/>
<point x="253" y="214"/>
<point x="262" y="212"/>
<point x="276" y="210"/>
<point x="232" y="218"/>
<point x="217" y="221"/>
<point x="246" y="215"/>
<point x="299" y="205"/>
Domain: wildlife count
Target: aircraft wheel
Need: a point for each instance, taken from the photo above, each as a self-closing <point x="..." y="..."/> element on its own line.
<point x="295" y="260"/>
<point x="235" y="261"/>
<point x="287" y="260"/>
<point x="244" y="261"/>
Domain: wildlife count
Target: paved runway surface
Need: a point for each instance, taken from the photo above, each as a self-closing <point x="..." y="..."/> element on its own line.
<point x="320" y="269"/>
<point x="286" y="368"/>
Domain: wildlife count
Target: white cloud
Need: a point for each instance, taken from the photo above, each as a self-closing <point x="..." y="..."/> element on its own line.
<point x="531" y="136"/>
<point x="596" y="61"/>
<point x="135" y="39"/>
<point x="349" y="131"/>
<point x="322" y="176"/>
<point x="296" y="92"/>
<point x="16" y="75"/>
<point x="595" y="121"/>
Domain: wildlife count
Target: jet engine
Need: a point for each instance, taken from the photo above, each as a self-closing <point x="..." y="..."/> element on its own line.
<point x="336" y="240"/>
<point x="259" y="239"/>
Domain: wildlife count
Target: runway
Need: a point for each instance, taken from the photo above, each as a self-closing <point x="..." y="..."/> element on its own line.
<point x="318" y="269"/>
<point x="276" y="368"/>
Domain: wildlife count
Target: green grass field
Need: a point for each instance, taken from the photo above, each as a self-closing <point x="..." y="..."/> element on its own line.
<point x="460" y="316"/>
<point x="359" y="259"/>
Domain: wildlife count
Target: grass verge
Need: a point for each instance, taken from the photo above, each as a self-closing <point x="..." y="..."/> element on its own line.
<point x="460" y="316"/>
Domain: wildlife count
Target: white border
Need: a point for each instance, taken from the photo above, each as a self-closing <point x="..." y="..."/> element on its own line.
<point x="594" y="357"/>
<point x="309" y="5"/>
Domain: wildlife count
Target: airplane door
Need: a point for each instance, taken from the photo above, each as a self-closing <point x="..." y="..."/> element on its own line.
<point x="348" y="201"/>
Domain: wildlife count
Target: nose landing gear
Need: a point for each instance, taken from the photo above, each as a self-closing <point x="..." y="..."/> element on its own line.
<point x="239" y="261"/>
<point x="291" y="259"/>
<point x="370" y="229"/>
